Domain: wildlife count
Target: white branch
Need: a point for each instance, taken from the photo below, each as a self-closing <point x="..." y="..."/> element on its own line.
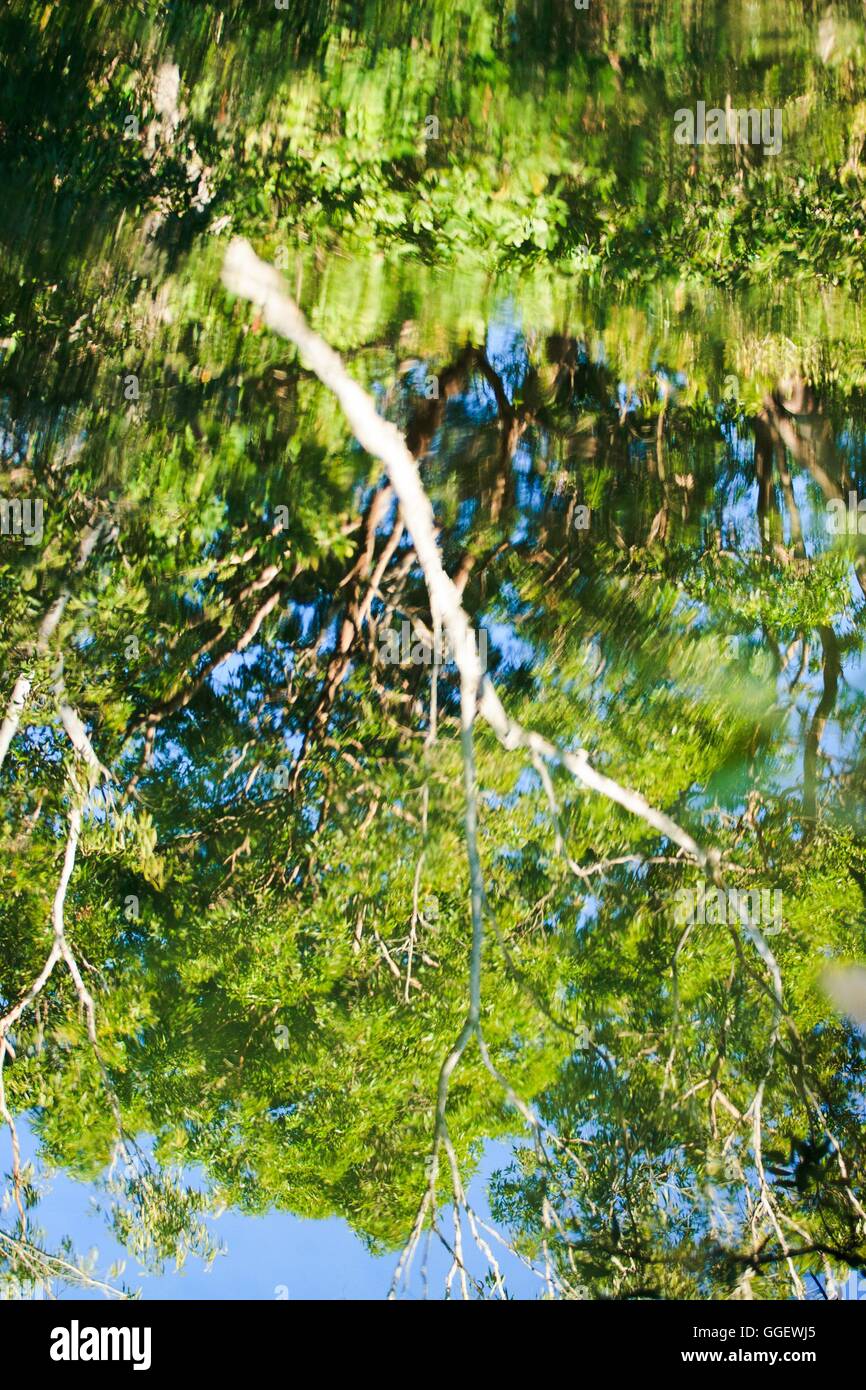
<point x="59" y="945"/>
<point x="80" y="740"/>
<point x="47" y="628"/>
<point x="246" y="275"/>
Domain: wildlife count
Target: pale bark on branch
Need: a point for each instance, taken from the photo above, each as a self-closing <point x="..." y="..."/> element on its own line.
<point x="47" y="628"/>
<point x="59" y="944"/>
<point x="244" y="274"/>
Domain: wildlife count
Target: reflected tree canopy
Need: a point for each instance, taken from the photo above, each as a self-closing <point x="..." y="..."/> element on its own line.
<point x="232" y="788"/>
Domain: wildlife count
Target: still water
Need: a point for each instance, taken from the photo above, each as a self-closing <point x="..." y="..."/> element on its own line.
<point x="631" y="373"/>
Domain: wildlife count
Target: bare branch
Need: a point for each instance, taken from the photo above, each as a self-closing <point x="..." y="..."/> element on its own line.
<point x="246" y="275"/>
<point x="47" y="628"/>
